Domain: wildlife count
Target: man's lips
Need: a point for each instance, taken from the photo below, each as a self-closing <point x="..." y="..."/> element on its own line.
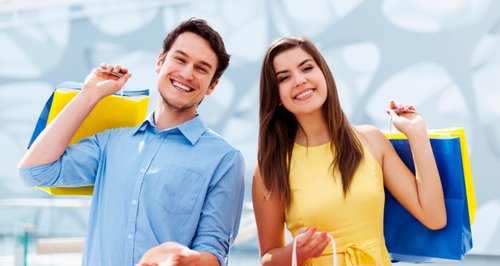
<point x="181" y="86"/>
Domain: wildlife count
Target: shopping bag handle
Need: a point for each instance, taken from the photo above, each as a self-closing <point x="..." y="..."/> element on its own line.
<point x="78" y="86"/>
<point x="294" y="251"/>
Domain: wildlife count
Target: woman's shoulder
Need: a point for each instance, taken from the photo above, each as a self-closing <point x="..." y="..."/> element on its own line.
<point x="368" y="131"/>
<point x="372" y="139"/>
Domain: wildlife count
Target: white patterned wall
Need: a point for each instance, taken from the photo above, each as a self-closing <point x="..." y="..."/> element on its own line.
<point x="442" y="56"/>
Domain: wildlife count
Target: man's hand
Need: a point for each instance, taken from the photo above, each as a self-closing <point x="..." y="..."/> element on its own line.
<point x="106" y="80"/>
<point x="171" y="254"/>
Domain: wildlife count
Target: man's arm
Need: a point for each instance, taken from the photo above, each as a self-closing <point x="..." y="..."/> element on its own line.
<point x="221" y="213"/>
<point x="53" y="141"/>
<point x="218" y="224"/>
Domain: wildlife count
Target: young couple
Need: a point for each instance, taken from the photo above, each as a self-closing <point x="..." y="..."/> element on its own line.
<point x="170" y="191"/>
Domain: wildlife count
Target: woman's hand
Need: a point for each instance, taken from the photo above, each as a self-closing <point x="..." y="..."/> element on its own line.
<point x="105" y="80"/>
<point x="310" y="244"/>
<point x="406" y="119"/>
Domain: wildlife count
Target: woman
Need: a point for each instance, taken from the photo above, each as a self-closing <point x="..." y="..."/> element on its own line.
<point x="321" y="176"/>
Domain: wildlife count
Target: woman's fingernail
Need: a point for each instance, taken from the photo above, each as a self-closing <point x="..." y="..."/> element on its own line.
<point x="323" y="234"/>
<point x="313" y="229"/>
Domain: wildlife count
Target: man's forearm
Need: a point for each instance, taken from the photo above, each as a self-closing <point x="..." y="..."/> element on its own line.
<point x="208" y="259"/>
<point x="53" y="141"/>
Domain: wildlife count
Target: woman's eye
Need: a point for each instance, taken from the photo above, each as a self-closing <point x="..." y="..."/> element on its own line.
<point x="282" y="78"/>
<point x="307" y="68"/>
<point x="180" y="60"/>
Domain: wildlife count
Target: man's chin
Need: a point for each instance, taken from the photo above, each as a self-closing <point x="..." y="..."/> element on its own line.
<point x="180" y="107"/>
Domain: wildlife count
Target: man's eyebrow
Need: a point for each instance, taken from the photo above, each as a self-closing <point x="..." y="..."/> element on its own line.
<point x="205" y="63"/>
<point x="299" y="65"/>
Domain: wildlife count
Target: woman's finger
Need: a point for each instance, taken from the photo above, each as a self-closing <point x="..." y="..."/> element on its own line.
<point x="320" y="248"/>
<point x="303" y="238"/>
<point x="314" y="244"/>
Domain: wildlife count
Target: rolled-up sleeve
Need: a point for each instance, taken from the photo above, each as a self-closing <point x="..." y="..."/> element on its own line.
<point x="76" y="167"/>
<point x="221" y="212"/>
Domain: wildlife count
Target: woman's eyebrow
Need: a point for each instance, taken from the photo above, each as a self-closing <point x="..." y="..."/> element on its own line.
<point x="299" y="65"/>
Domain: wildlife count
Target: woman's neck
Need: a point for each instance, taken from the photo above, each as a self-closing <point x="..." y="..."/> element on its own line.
<point x="312" y="130"/>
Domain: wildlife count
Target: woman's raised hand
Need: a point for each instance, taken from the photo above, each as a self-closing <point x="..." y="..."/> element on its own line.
<point x="406" y="119"/>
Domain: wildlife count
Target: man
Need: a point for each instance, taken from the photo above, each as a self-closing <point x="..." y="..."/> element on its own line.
<point x="169" y="180"/>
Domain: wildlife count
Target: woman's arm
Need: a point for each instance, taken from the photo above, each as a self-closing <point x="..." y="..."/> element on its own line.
<point x="421" y="194"/>
<point x="270" y="218"/>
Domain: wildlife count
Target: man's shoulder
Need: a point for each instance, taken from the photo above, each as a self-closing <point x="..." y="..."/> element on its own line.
<point x="117" y="134"/>
<point x="210" y="137"/>
<point x="122" y="130"/>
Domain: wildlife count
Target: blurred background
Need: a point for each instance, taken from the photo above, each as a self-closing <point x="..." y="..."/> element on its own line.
<point x="441" y="56"/>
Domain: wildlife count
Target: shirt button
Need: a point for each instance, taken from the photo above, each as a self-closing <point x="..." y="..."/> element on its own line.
<point x="134" y="202"/>
<point x="130" y="236"/>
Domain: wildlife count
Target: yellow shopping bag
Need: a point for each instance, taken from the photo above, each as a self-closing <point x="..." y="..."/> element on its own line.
<point x="114" y="111"/>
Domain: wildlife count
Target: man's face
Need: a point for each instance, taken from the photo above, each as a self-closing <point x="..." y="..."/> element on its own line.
<point x="186" y="72"/>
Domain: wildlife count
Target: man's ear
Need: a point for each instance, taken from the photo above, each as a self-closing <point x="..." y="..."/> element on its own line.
<point x="159" y="62"/>
<point x="212" y="87"/>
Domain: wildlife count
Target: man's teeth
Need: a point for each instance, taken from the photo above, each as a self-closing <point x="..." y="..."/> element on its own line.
<point x="181" y="86"/>
<point x="304" y="94"/>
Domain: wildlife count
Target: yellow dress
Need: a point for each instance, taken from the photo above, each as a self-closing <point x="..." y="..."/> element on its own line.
<point x="355" y="222"/>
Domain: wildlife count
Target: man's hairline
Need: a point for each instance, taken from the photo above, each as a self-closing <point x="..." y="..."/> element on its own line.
<point x="164" y="54"/>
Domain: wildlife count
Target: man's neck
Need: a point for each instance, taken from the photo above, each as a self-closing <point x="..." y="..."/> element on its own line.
<point x="166" y="118"/>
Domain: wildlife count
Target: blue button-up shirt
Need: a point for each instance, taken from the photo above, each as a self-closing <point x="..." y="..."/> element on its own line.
<point x="184" y="184"/>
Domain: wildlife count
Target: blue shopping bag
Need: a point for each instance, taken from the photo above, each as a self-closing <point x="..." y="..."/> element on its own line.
<point x="406" y="238"/>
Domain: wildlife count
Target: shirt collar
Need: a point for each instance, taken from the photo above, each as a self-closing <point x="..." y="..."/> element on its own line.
<point x="191" y="129"/>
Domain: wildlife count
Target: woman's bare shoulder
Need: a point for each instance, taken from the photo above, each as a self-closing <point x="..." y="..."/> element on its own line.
<point x="372" y="139"/>
<point x="368" y="132"/>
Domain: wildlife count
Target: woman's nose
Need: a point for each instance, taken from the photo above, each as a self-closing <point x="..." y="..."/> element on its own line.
<point x="299" y="80"/>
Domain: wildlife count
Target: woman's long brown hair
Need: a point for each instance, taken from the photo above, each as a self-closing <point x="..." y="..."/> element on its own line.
<point x="278" y="127"/>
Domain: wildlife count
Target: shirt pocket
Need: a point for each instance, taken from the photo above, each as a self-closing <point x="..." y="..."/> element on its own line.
<point x="179" y="189"/>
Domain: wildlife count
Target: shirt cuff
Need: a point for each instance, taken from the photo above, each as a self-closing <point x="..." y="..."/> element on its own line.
<point x="222" y="259"/>
<point x="40" y="175"/>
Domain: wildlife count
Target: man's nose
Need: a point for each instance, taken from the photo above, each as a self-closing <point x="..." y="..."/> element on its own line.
<point x="187" y="72"/>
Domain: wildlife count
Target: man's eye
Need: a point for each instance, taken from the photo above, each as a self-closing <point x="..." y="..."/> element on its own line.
<point x="202" y="69"/>
<point x="180" y="60"/>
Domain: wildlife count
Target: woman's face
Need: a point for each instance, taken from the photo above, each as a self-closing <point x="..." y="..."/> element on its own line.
<point x="301" y="83"/>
